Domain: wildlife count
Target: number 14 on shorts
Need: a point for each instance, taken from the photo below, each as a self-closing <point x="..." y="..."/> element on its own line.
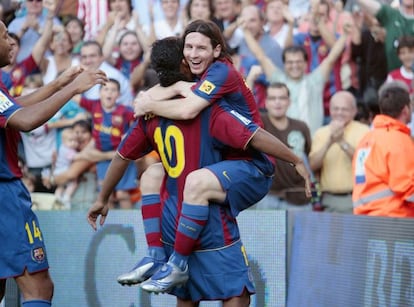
<point x="33" y="232"/>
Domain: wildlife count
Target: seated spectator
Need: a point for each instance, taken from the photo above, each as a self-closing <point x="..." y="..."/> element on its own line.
<point x="332" y="150"/>
<point x="405" y="51"/>
<point x="287" y="191"/>
<point x="82" y="169"/>
<point x="28" y="27"/>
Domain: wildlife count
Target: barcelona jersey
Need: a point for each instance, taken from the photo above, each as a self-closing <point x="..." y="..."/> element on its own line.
<point x="108" y="127"/>
<point x="9" y="138"/>
<point x="185" y="146"/>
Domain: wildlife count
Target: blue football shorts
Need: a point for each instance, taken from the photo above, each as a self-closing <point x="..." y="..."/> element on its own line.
<point x="216" y="274"/>
<point x="243" y="182"/>
<point x="22" y="244"/>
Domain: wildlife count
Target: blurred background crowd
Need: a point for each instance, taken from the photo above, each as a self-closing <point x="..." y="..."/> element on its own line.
<point x="315" y="68"/>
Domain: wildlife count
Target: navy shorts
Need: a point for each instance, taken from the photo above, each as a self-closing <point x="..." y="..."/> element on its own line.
<point x="216" y="274"/>
<point x="243" y="182"/>
<point x="128" y="180"/>
<point x="22" y="244"/>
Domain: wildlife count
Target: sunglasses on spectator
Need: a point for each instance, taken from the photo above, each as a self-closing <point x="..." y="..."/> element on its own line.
<point x="34" y="0"/>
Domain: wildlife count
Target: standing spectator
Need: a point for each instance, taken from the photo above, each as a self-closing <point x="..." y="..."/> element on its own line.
<point x="279" y="21"/>
<point x="331" y="154"/>
<point x="28" y="27"/>
<point x="23" y="256"/>
<point x="120" y="19"/>
<point x="76" y="31"/>
<point x="383" y="164"/>
<point x="198" y="9"/>
<point x="92" y="58"/>
<point x="397" y="22"/>
<point x="65" y="156"/>
<point x="317" y="40"/>
<point x="170" y="25"/>
<point x="30" y="65"/>
<point x="93" y="14"/>
<point x="368" y="50"/>
<point x="306" y="89"/>
<point x="253" y="20"/>
<point x="61" y="57"/>
<point x="405" y="51"/>
<point x="110" y="123"/>
<point x="287" y="190"/>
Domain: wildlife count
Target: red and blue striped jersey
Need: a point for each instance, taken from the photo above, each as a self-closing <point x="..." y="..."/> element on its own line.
<point x="9" y="138"/>
<point x="108" y="128"/>
<point x="183" y="147"/>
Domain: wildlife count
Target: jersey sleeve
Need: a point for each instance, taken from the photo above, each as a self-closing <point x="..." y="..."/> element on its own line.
<point x="7" y="108"/>
<point x="87" y="104"/>
<point x="135" y="144"/>
<point x="220" y="79"/>
<point x="230" y="127"/>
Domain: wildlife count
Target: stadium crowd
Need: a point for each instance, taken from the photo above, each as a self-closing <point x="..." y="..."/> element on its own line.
<point x="314" y="67"/>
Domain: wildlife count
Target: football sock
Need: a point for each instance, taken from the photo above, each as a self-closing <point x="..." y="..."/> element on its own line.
<point x="37" y="303"/>
<point x="192" y="221"/>
<point x="151" y="215"/>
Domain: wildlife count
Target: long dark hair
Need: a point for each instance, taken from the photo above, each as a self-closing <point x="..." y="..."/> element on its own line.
<point x="211" y="30"/>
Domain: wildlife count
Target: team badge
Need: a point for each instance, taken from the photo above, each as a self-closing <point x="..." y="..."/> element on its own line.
<point x="323" y="50"/>
<point x="38" y="255"/>
<point x="5" y="103"/>
<point x="117" y="120"/>
<point x="207" y="87"/>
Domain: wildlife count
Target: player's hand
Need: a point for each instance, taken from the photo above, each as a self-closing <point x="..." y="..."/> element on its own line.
<point x="140" y="102"/>
<point x="99" y="208"/>
<point x="88" y="78"/>
<point x="68" y="75"/>
<point x="303" y="171"/>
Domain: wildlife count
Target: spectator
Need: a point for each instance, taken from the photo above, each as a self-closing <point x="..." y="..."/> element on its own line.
<point x="75" y="28"/>
<point x="93" y="14"/>
<point x="110" y="123"/>
<point x="279" y="21"/>
<point x="83" y="167"/>
<point x="331" y="154"/>
<point x="65" y="156"/>
<point x="405" y="51"/>
<point x="120" y="19"/>
<point x="253" y="20"/>
<point x="306" y="89"/>
<point x="170" y="25"/>
<point x="28" y="27"/>
<point x="317" y="40"/>
<point x="198" y="9"/>
<point x="397" y="22"/>
<point x="287" y="190"/>
<point x="368" y="50"/>
<point x="92" y="58"/>
<point x="61" y="57"/>
<point x="383" y="164"/>
<point x="18" y="71"/>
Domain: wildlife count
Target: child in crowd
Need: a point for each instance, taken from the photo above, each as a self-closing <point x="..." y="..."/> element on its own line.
<point x="110" y="122"/>
<point x="65" y="156"/>
<point x="405" y="51"/>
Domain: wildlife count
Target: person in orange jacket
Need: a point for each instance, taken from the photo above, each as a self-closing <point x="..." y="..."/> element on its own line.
<point x="383" y="164"/>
